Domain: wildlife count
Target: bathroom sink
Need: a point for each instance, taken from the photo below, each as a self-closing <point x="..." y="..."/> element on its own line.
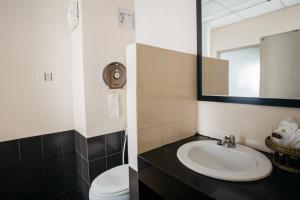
<point x="240" y="163"/>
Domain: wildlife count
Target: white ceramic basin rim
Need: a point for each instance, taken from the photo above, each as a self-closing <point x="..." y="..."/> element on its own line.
<point x="232" y="164"/>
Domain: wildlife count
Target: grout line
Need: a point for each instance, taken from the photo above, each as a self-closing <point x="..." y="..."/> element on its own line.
<point x="19" y="151"/>
<point x="105" y="151"/>
<point x="63" y="157"/>
<point x="42" y="144"/>
<point x="110" y="155"/>
<point x="43" y="159"/>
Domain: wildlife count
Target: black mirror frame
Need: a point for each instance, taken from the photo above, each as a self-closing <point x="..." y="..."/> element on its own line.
<point x="239" y="100"/>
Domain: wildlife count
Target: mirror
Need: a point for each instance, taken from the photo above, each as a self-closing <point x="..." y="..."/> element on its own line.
<point x="250" y="48"/>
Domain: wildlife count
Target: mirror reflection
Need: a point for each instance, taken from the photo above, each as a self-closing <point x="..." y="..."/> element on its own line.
<point x="251" y="48"/>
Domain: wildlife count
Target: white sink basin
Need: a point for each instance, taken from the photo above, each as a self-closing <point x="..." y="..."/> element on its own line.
<point x="232" y="164"/>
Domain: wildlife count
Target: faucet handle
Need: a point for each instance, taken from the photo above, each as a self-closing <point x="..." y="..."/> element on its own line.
<point x="226" y="138"/>
<point x="230" y="137"/>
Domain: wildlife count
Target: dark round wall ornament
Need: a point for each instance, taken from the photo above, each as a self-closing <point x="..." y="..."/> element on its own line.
<point x="114" y="75"/>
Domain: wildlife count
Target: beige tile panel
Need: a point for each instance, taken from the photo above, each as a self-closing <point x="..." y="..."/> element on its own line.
<point x="149" y="107"/>
<point x="189" y="103"/>
<point x="163" y="67"/>
<point x="189" y="70"/>
<point x="149" y="138"/>
<point x="189" y="128"/>
<point x="172" y="64"/>
<point x="150" y="66"/>
<point x="171" y="132"/>
<point x="172" y="108"/>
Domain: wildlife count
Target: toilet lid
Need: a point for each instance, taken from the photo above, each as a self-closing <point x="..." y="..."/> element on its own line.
<point x="112" y="182"/>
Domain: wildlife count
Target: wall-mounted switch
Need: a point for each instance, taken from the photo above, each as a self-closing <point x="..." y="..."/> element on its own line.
<point x="126" y="18"/>
<point x="48" y="77"/>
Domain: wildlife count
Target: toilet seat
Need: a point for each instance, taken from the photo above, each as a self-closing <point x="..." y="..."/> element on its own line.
<point x="112" y="183"/>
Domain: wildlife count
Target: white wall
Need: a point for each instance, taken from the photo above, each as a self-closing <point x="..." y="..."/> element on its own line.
<point x="34" y="39"/>
<point x="169" y="24"/>
<point x="103" y="42"/>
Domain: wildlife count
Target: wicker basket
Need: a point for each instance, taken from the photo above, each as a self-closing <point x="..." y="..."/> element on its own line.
<point x="284" y="157"/>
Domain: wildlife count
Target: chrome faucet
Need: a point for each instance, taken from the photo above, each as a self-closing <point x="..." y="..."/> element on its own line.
<point x="228" y="141"/>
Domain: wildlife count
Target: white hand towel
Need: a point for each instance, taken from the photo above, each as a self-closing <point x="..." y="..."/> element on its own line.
<point x="288" y="130"/>
<point x="295" y="139"/>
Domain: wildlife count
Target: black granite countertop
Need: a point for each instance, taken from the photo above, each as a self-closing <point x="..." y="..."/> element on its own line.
<point x="279" y="185"/>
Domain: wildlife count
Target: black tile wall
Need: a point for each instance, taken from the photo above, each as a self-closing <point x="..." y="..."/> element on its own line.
<point x="31" y="150"/>
<point x="85" y="170"/>
<point x="70" y="181"/>
<point x="9" y="154"/>
<point x="96" y="155"/>
<point x="113" y="143"/>
<point x="114" y="160"/>
<point x="38" y="167"/>
<point x="96" y="167"/>
<point x="70" y="161"/>
<point x="50" y="166"/>
<point x="52" y="144"/>
<point x="133" y="184"/>
<point x="78" y="163"/>
<point x="68" y="141"/>
<point x="96" y="147"/>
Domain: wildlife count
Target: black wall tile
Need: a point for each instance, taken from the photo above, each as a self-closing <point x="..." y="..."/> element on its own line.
<point x="52" y="144"/>
<point x="9" y="154"/>
<point x="32" y="191"/>
<point x="31" y="150"/>
<point x="97" y="167"/>
<point x="85" y="170"/>
<point x="70" y="161"/>
<point x="114" y="160"/>
<point x="113" y="143"/>
<point x="10" y="183"/>
<point x="70" y="180"/>
<point x="32" y="173"/>
<point x="68" y="141"/>
<point x="77" y="142"/>
<point x="54" y="175"/>
<point x="79" y="183"/>
<point x="78" y="163"/>
<point x="54" y="166"/>
<point x="133" y="184"/>
<point x="86" y="188"/>
<point x="96" y="147"/>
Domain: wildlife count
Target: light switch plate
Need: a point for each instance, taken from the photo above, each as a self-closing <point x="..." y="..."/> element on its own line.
<point x="48" y="77"/>
<point x="126" y="18"/>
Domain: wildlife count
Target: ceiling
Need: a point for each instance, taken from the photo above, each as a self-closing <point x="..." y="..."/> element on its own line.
<point x="220" y="13"/>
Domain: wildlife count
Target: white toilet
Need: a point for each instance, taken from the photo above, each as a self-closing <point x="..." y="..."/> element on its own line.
<point x="111" y="185"/>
